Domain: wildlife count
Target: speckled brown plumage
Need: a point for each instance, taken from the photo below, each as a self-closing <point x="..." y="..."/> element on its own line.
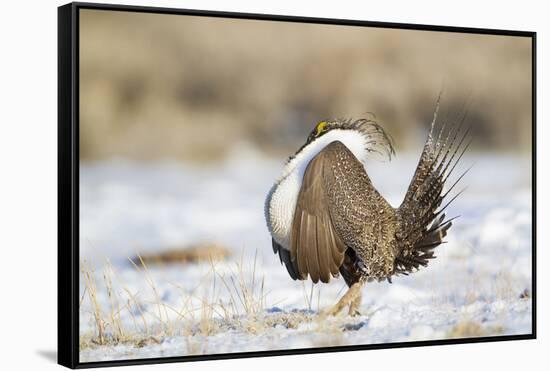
<point x="360" y="215"/>
<point x="343" y="225"/>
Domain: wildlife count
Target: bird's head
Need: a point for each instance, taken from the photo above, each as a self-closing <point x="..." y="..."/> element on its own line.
<point x="320" y="129"/>
<point x="377" y="139"/>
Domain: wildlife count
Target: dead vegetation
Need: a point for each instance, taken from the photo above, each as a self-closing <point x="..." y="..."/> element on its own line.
<point x="267" y="83"/>
<point x="245" y="289"/>
<point x="203" y="313"/>
<point x="470" y="328"/>
<point x="192" y="254"/>
<point x="200" y="316"/>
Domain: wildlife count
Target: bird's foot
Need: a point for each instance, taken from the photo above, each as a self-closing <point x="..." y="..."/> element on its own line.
<point x="351" y="298"/>
<point x="336" y="309"/>
<point x="332" y="311"/>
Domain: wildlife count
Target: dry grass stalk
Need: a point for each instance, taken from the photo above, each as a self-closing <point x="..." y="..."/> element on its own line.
<point x="246" y="302"/>
<point x="91" y="289"/>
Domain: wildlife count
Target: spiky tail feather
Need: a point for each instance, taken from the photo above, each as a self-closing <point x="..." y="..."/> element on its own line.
<point x="422" y="224"/>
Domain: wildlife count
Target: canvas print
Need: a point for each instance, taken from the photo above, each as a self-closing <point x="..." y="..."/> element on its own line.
<point x="253" y="185"/>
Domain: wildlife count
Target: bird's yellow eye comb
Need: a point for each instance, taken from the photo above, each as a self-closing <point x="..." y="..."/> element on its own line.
<point x="321" y="127"/>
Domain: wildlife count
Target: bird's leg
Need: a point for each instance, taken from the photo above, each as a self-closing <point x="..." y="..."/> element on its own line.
<point x="356" y="302"/>
<point x="354" y="305"/>
<point x="352" y="298"/>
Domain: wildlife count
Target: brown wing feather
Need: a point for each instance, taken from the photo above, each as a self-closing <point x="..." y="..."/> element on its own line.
<point x="315" y="245"/>
<point x="337" y="208"/>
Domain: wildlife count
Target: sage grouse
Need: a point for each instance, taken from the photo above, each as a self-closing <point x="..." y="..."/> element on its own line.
<point x="326" y="218"/>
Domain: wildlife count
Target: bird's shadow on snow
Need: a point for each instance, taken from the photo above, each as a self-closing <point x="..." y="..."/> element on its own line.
<point x="355" y="326"/>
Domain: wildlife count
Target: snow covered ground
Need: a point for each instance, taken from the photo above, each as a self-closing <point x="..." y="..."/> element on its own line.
<point x="479" y="284"/>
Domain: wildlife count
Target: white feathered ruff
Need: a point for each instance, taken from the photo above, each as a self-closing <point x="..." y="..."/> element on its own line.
<point x="281" y="200"/>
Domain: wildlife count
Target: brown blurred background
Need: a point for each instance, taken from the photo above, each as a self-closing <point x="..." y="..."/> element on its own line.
<point x="189" y="88"/>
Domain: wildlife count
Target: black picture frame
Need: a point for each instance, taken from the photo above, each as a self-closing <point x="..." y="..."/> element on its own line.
<point x="68" y="181"/>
